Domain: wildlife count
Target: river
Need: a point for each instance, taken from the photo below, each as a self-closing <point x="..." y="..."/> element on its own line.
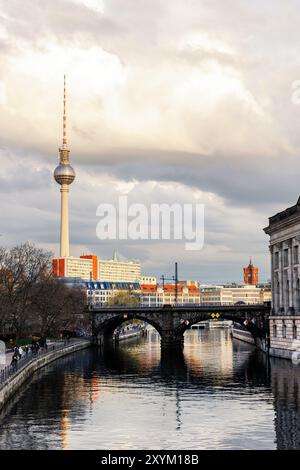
<point x="218" y="394"/>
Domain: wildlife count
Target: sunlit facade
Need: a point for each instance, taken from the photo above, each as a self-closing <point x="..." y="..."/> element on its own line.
<point x="90" y="268"/>
<point x="100" y="293"/>
<point x="158" y="295"/>
<point x="114" y="270"/>
<point x="220" y="295"/>
<point x="84" y="267"/>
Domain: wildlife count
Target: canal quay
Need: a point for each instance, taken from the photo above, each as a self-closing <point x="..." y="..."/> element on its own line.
<point x="218" y="393"/>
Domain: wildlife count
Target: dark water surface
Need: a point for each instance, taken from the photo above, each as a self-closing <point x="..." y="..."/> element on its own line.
<point x="219" y="394"/>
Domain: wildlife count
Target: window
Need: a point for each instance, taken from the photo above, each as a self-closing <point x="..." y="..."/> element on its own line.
<point x="274" y="330"/>
<point x="295" y="255"/>
<point x="276" y="260"/>
<point x="294" y="330"/>
<point x="283" y="329"/>
<point x="286" y="257"/>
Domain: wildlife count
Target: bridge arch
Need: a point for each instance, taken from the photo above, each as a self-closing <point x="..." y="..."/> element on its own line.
<point x="255" y="330"/>
<point x="108" y="325"/>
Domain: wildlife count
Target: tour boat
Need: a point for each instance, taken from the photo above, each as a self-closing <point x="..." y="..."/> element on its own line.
<point x="220" y="323"/>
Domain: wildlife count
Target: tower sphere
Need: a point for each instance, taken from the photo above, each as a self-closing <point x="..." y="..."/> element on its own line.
<point x="64" y="174"/>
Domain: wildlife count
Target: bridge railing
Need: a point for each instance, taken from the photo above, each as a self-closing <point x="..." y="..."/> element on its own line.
<point x="178" y="306"/>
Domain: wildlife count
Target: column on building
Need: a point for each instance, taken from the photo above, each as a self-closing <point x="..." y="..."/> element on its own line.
<point x="296" y="278"/>
<point x="280" y="279"/>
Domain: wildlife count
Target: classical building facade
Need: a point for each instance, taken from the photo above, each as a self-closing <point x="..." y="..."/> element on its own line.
<point x="284" y="232"/>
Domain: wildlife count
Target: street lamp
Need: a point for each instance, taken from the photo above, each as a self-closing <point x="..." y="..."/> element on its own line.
<point x="173" y="278"/>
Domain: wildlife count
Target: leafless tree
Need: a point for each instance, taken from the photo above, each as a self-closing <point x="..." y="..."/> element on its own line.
<point x="57" y="307"/>
<point x="30" y="298"/>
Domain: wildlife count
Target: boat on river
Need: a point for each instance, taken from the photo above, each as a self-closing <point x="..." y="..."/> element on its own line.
<point x="220" y="323"/>
<point x="201" y="325"/>
<point x="130" y="331"/>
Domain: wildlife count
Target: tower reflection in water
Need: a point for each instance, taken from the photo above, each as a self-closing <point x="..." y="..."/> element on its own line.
<point x="70" y="401"/>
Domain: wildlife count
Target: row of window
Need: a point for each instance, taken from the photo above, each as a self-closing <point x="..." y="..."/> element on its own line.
<point x="286" y="257"/>
<point x="283" y="330"/>
<point x="112" y="285"/>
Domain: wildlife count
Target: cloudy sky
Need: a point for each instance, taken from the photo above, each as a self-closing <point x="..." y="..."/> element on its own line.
<point x="168" y="101"/>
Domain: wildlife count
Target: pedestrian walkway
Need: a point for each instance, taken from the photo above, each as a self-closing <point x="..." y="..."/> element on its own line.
<point x="8" y="355"/>
<point x="7" y="370"/>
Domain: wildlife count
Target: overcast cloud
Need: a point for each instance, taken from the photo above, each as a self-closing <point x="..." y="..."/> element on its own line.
<point x="168" y="101"/>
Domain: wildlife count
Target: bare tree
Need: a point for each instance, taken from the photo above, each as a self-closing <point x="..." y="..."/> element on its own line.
<point x="56" y="306"/>
<point x="4" y="300"/>
<point x="26" y="266"/>
<point x="31" y="299"/>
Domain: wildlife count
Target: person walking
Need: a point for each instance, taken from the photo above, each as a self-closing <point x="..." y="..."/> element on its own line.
<point x="14" y="361"/>
<point x="21" y="352"/>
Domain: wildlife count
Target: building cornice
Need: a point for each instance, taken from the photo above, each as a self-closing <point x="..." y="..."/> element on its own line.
<point x="282" y="223"/>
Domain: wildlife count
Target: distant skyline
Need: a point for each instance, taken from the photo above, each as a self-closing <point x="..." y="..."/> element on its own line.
<point x="169" y="101"/>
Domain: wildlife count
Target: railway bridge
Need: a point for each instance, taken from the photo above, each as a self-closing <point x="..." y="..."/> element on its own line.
<point x="171" y="321"/>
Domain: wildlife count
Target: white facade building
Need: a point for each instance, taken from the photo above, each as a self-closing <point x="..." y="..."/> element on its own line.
<point x="148" y="280"/>
<point x="100" y="293"/>
<point x="221" y="295"/>
<point x="90" y="268"/>
<point x="114" y="270"/>
<point x="74" y="267"/>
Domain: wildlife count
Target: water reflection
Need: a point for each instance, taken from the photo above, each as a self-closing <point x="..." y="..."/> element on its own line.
<point x="215" y="394"/>
<point x="285" y="380"/>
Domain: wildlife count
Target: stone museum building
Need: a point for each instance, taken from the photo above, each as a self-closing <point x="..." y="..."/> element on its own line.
<point x="284" y="232"/>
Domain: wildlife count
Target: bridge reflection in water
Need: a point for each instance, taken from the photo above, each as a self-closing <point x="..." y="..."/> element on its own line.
<point x="214" y="394"/>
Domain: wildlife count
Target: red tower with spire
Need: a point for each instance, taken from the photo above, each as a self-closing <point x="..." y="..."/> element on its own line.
<point x="251" y="274"/>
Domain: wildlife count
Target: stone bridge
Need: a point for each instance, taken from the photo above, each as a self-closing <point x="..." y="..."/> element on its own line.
<point x="172" y="321"/>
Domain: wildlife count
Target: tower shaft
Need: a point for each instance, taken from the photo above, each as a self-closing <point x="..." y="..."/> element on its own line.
<point x="64" y="175"/>
<point x="64" y="222"/>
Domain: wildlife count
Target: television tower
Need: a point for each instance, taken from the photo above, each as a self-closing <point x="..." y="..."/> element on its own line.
<point x="64" y="175"/>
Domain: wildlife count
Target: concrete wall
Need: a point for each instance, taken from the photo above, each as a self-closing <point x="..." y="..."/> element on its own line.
<point x="14" y="383"/>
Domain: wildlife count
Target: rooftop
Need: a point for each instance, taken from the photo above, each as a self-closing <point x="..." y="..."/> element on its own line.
<point x="290" y="212"/>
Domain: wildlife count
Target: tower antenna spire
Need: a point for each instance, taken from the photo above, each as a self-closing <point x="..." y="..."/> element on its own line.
<point x="65" y="116"/>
